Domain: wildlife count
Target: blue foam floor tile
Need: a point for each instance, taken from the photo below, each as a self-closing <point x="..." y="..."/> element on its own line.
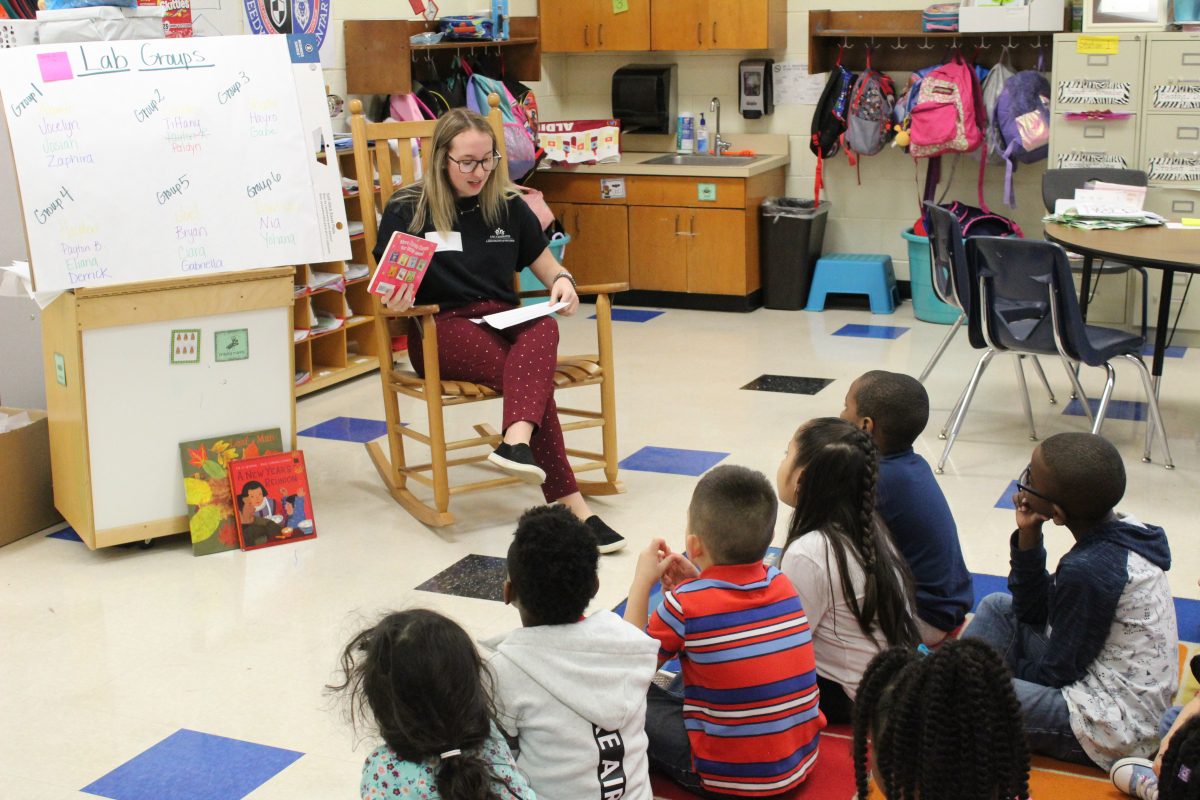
<point x="673" y="461"/>
<point x="632" y="315"/>
<point x="67" y="534"/>
<point x="348" y="429"/>
<point x="1174" y="351"/>
<point x="985" y="585"/>
<point x="1005" y="500"/>
<point x="871" y="331"/>
<point x="1134" y="410"/>
<point x="189" y="765"/>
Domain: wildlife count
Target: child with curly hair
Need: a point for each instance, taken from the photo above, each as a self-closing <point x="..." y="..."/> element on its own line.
<point x="418" y="677"/>
<point x="942" y="726"/>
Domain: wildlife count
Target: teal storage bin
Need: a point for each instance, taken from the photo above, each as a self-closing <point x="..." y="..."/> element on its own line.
<point x="529" y="281"/>
<point x="1187" y="11"/>
<point x="926" y="304"/>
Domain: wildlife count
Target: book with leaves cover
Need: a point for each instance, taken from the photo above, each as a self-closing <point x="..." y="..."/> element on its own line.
<point x="206" y="485"/>
<point x="271" y="500"/>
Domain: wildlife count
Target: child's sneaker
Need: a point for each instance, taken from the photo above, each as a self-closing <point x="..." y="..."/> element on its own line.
<point x="517" y="459"/>
<point x="1135" y="777"/>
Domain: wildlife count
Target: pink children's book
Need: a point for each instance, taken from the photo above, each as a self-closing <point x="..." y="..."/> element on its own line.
<point x="404" y="263"/>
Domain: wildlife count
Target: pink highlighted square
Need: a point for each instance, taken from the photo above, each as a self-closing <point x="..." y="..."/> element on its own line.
<point x="55" y="67"/>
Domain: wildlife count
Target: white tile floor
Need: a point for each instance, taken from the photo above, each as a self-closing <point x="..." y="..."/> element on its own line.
<point x="108" y="652"/>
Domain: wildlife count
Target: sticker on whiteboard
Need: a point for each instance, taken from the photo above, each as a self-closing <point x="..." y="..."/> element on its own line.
<point x="1097" y="45"/>
<point x="185" y="346"/>
<point x="1091" y="158"/>
<point x="1177" y="167"/>
<point x="1177" y="96"/>
<point x="231" y="345"/>
<point x="1094" y="91"/>
<point x="304" y="48"/>
<point x="612" y="188"/>
<point x="55" y="66"/>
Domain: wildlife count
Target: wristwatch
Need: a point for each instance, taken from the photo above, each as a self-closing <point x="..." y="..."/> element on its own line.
<point x="567" y="275"/>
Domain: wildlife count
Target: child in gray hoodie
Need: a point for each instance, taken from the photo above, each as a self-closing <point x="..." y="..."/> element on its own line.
<point x="571" y="689"/>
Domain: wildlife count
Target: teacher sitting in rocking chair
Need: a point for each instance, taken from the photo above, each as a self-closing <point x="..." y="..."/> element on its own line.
<point x="485" y="233"/>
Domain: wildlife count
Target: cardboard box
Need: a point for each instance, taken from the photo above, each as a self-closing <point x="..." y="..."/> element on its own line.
<point x="1034" y="15"/>
<point x="26" y="496"/>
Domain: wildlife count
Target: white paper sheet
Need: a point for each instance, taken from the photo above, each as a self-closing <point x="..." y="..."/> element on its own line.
<point x="794" y="86"/>
<point x="515" y="316"/>
<point x="15" y="282"/>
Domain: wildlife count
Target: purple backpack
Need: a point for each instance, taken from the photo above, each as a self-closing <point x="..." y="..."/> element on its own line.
<point x="1023" y="122"/>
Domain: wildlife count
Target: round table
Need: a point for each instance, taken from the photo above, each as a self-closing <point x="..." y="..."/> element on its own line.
<point x="1168" y="249"/>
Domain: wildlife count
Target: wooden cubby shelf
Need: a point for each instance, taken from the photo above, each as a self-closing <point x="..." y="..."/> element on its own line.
<point x="900" y="44"/>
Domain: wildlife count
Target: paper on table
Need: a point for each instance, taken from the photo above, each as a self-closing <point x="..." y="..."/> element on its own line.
<point x="1179" y="226"/>
<point x="515" y="316"/>
<point x="10" y="422"/>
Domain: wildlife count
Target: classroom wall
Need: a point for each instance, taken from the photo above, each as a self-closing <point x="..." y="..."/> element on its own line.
<point x="863" y="218"/>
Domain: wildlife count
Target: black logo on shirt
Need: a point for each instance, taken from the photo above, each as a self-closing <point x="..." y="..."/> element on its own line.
<point x="611" y="770"/>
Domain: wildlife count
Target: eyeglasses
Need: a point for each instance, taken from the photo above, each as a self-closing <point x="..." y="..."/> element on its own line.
<point x="468" y="165"/>
<point x="1023" y="486"/>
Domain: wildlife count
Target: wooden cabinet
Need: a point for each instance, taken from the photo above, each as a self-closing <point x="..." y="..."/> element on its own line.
<point x="672" y="247"/>
<point x="582" y="26"/>
<point x="599" y="248"/>
<point x="718" y="24"/>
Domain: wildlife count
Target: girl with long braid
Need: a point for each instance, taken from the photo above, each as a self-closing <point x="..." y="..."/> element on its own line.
<point x="944" y="726"/>
<point x="855" y="587"/>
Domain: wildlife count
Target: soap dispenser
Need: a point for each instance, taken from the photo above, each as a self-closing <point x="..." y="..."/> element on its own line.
<point x="702" y="137"/>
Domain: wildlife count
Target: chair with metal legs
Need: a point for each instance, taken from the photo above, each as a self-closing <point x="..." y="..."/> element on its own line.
<point x="1028" y="305"/>
<point x="949" y="258"/>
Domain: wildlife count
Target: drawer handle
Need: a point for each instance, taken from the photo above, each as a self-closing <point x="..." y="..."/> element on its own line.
<point x="1187" y="132"/>
<point x="714" y="31"/>
<point x="676" y="224"/>
<point x="1094" y="132"/>
<point x="1190" y="60"/>
<point x="587" y="41"/>
<point x="1097" y="61"/>
<point x="600" y="34"/>
<point x="1183" y="206"/>
<point x="699" y="33"/>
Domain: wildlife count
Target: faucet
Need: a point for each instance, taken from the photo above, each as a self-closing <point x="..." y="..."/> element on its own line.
<point x="719" y="144"/>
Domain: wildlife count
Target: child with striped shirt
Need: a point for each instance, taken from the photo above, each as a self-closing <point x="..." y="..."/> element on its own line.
<point x="742" y="718"/>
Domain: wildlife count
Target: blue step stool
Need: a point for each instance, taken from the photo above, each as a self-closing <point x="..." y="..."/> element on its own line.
<point x="855" y="273"/>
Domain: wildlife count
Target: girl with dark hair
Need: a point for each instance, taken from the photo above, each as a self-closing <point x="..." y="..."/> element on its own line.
<point x="942" y="726"/>
<point x="855" y="587"/>
<point x="418" y="676"/>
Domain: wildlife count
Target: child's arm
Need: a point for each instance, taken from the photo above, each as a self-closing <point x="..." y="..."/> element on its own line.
<point x="637" y="607"/>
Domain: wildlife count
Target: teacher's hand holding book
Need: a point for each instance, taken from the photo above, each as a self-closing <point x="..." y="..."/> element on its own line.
<point x="397" y="300"/>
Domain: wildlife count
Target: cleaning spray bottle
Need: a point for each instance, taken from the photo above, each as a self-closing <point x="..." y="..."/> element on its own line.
<point x="702" y="137"/>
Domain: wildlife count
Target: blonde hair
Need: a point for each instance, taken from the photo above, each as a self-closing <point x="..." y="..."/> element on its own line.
<point x="434" y="194"/>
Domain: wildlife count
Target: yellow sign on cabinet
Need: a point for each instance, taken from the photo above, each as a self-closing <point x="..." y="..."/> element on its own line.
<point x="1097" y="45"/>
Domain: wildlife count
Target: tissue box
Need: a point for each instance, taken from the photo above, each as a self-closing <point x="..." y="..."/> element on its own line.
<point x="1034" y="15"/>
<point x="25" y="492"/>
<point x="100" y="24"/>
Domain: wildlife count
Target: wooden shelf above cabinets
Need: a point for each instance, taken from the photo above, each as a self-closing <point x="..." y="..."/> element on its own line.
<point x="379" y="55"/>
<point x="901" y="45"/>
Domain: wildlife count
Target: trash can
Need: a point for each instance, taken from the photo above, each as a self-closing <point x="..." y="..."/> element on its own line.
<point x="529" y="281"/>
<point x="791" y="232"/>
<point x="926" y="305"/>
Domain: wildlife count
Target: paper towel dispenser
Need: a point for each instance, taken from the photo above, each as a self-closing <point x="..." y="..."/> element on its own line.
<point x="643" y="98"/>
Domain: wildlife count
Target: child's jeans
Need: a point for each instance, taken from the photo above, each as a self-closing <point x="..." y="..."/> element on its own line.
<point x="1047" y="718"/>
<point x="670" y="751"/>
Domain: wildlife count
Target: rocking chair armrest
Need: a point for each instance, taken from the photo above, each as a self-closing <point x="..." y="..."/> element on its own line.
<point x="415" y="311"/>
<point x="602" y="288"/>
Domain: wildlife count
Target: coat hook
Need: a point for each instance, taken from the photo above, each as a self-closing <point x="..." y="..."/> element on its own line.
<point x="898" y="46"/>
<point x="983" y="45"/>
<point x="926" y="46"/>
<point x="1011" y="46"/>
<point x="846" y="44"/>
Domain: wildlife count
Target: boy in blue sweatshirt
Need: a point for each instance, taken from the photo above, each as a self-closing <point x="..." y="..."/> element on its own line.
<point x="894" y="409"/>
<point x="1093" y="646"/>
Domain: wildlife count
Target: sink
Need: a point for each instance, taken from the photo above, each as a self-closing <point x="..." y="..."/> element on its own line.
<point x="700" y="161"/>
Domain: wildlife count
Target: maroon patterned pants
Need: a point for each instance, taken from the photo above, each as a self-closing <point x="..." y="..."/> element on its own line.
<point x="518" y="362"/>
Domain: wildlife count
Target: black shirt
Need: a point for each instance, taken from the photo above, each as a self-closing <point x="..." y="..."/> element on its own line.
<point x="483" y="269"/>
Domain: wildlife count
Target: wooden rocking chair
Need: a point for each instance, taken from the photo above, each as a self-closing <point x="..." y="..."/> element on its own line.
<point x="374" y="154"/>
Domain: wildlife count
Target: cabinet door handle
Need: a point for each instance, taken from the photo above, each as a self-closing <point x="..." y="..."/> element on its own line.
<point x="692" y="224"/>
<point x="676" y="224"/>
<point x="600" y="34"/>
<point x="587" y="40"/>
<point x="577" y="222"/>
<point x="699" y="33"/>
<point x="714" y="31"/>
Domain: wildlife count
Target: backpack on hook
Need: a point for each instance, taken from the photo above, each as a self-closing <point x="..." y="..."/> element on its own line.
<point x="829" y="120"/>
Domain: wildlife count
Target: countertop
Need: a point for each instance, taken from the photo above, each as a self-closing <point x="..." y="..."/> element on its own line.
<point x="634" y="164"/>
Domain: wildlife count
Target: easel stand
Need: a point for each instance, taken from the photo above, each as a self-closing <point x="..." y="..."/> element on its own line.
<point x="118" y="405"/>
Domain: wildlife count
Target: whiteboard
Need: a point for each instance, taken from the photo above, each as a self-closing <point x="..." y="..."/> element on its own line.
<point x="140" y="406"/>
<point x="164" y="158"/>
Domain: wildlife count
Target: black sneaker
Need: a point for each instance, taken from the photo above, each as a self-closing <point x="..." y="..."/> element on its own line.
<point x="517" y="459"/>
<point x="607" y="540"/>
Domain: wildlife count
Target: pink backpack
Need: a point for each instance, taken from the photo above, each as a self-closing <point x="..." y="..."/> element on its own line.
<point x="949" y="116"/>
<point x="409" y="108"/>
